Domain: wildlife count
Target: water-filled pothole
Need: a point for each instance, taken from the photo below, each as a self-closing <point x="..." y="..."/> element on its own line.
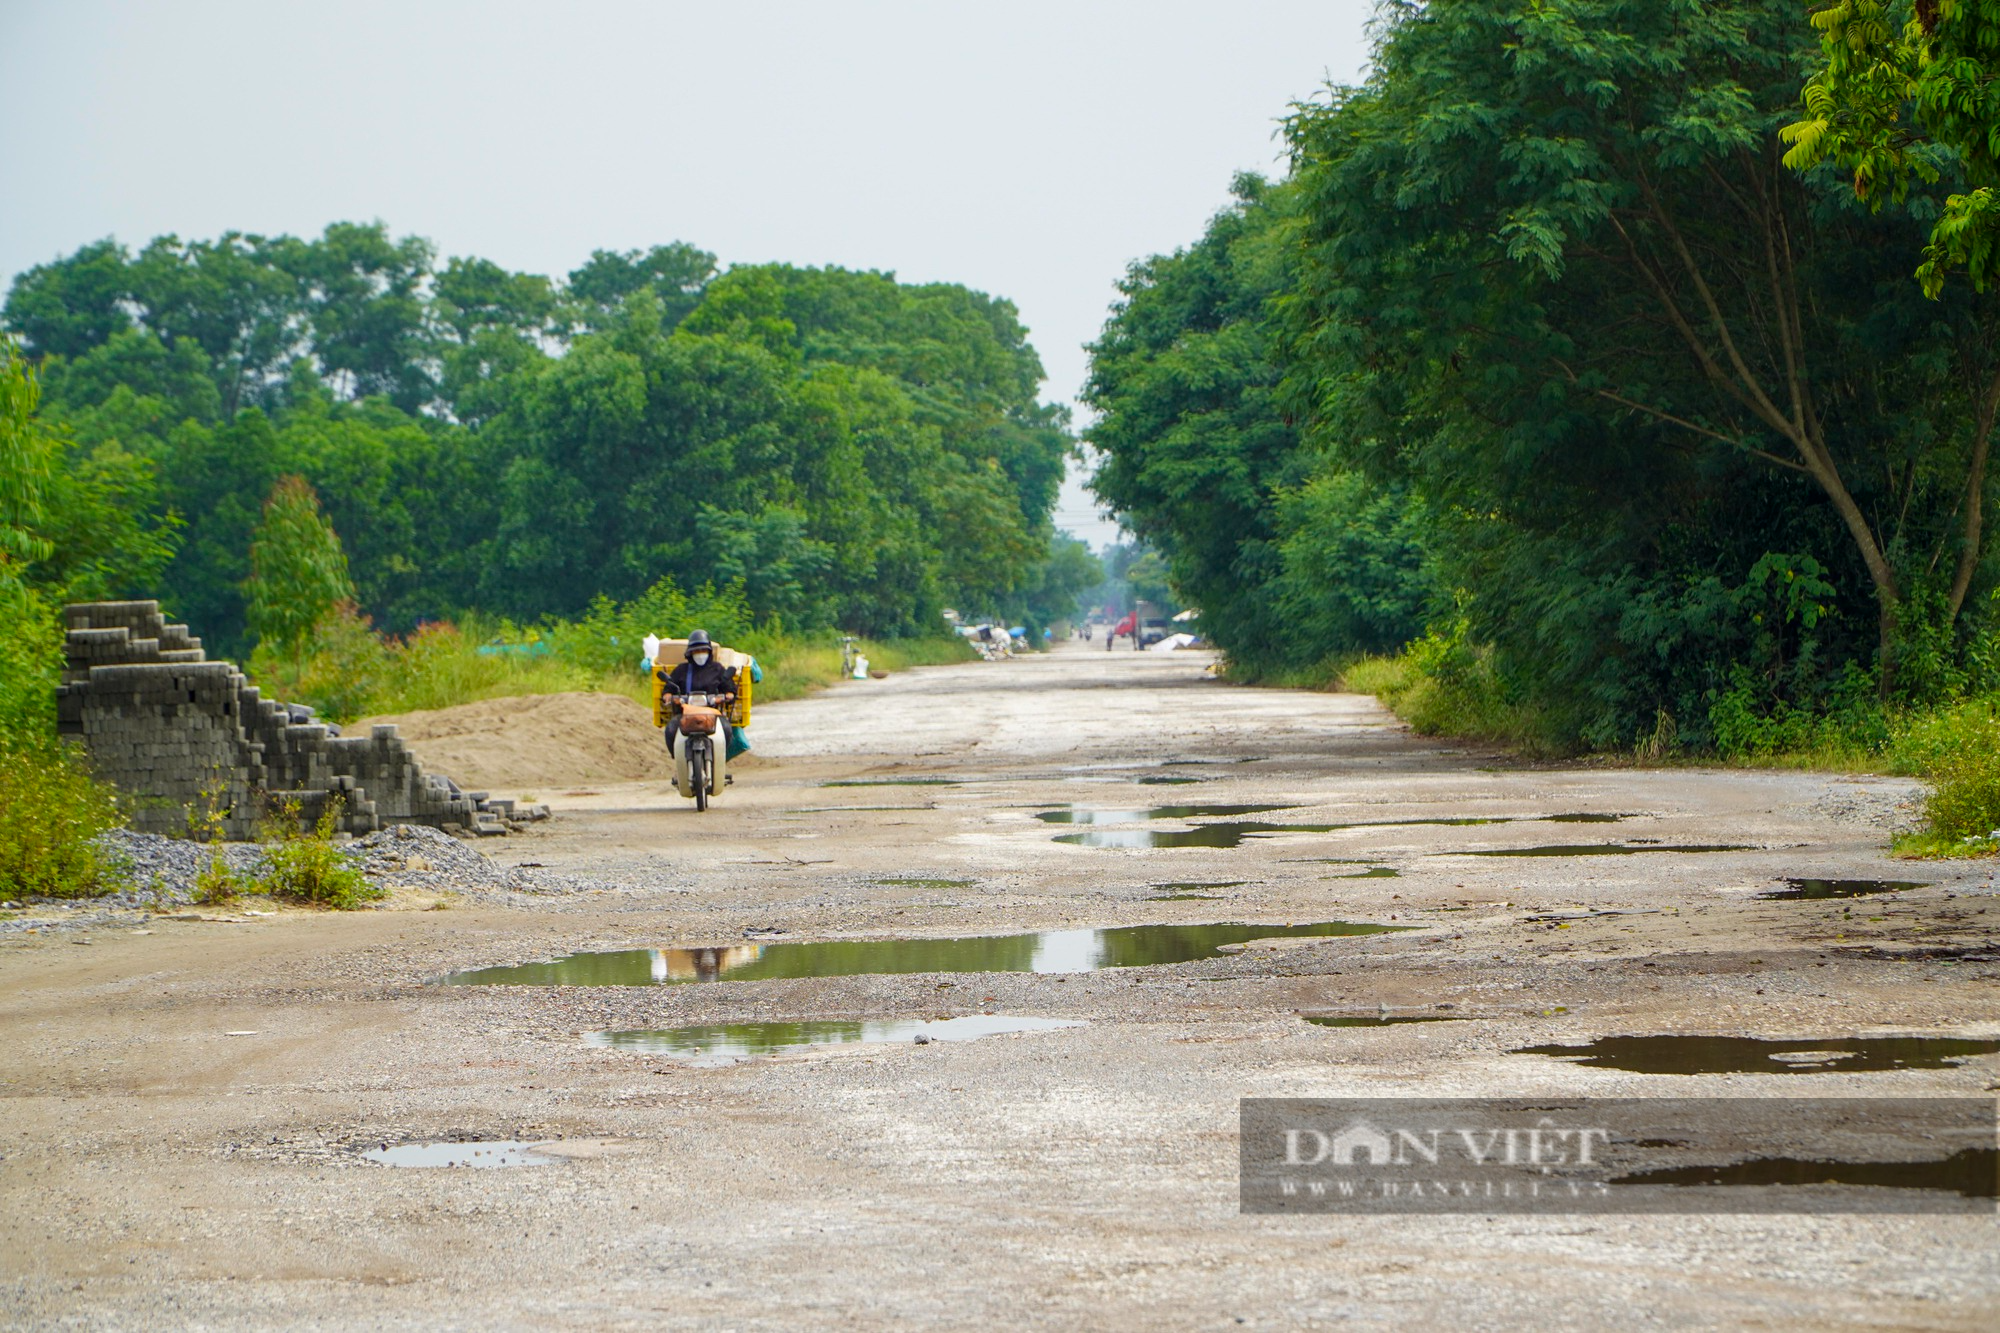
<point x="1180" y="891"/>
<point x="727" y="1043"/>
<point x="1086" y="814"/>
<point x="1971" y="1172"/>
<point x="1167" y="782"/>
<point x="1378" y="1020"/>
<point x="1373" y="872"/>
<point x="1701" y="1054"/>
<point x="1842" y="888"/>
<point x="1613" y="849"/>
<point x="1042" y="951"/>
<point x="480" y="1154"/>
<point x="1225" y="835"/>
<point x="896" y="782"/>
<point x="1583" y="817"/>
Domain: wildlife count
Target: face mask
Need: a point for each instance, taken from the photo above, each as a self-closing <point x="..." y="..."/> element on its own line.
<point x="701" y="659"/>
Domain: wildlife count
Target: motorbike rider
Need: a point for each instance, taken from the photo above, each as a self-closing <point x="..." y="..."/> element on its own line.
<point x="700" y="673"/>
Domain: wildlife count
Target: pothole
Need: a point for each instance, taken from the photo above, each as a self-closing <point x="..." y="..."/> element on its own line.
<point x="1185" y="890"/>
<point x="1379" y="1020"/>
<point x="1089" y="814"/>
<point x="1613" y="849"/>
<point x="1226" y="835"/>
<point x="1842" y="888"/>
<point x="478" y="1154"/>
<point x="1041" y="951"/>
<point x="728" y="1043"/>
<point x="1700" y="1054"/>
<point x="1971" y="1172"/>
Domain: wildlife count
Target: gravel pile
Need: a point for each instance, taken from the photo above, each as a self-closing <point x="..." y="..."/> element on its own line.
<point x="415" y="856"/>
<point x="405" y="849"/>
<point x="157" y="873"/>
<point x="162" y="871"/>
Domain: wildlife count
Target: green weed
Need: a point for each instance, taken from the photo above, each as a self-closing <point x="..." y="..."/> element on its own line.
<point x="54" y="811"/>
<point x="302" y="864"/>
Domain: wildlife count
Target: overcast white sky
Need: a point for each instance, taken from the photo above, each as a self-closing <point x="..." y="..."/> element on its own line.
<point x="1030" y="149"/>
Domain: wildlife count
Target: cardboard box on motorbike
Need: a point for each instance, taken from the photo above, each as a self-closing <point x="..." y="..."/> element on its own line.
<point x="672" y="653"/>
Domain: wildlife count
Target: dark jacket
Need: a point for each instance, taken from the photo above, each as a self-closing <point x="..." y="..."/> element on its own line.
<point x="687" y="678"/>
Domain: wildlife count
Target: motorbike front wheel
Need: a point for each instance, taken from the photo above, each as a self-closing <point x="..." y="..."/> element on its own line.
<point x="698" y="773"/>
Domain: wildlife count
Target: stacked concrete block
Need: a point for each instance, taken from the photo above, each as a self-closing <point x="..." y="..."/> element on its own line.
<point x="184" y="737"/>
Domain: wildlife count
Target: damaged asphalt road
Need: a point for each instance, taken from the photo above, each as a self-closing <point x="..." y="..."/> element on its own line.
<point x="190" y="1103"/>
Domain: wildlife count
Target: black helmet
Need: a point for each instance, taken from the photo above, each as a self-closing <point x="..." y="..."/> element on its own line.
<point x="699" y="639"/>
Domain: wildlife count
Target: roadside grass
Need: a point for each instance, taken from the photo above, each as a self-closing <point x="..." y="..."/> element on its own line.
<point x="1954" y="748"/>
<point x="349" y="671"/>
<point x="1957" y="750"/>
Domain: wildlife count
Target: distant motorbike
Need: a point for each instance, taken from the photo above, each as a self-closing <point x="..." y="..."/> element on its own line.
<point x="698" y="760"/>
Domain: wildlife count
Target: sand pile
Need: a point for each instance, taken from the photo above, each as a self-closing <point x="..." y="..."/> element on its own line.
<point x="535" y="743"/>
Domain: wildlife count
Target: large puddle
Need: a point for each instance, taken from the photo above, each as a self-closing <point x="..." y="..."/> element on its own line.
<point x="1758" y="1055"/>
<point x="1043" y="951"/>
<point x="728" y="1043"/>
<point x="1842" y="888"/>
<point x="1971" y="1172"/>
<point x="483" y="1154"/>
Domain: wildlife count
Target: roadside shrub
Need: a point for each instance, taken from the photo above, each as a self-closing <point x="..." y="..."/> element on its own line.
<point x="1957" y="750"/>
<point x="54" y="811"/>
<point x="1847" y="724"/>
<point x="302" y="864"/>
<point x="51" y="808"/>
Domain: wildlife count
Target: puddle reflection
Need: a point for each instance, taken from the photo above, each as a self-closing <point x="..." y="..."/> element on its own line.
<point x="1042" y="951"/>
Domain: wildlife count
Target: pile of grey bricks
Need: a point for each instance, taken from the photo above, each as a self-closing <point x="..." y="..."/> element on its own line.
<point x="186" y="738"/>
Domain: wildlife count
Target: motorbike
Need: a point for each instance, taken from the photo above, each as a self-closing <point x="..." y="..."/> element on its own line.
<point x="698" y="761"/>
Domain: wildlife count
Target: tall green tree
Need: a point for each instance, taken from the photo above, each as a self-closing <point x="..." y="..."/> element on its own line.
<point x="1906" y="96"/>
<point x="1290" y="557"/>
<point x="1556" y="274"/>
<point x="298" y="573"/>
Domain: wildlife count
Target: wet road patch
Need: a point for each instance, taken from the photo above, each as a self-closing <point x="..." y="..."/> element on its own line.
<point x="1378" y="1020"/>
<point x="1701" y="1054"/>
<point x="1050" y="951"/>
<point x="1085" y="814"/>
<point x="896" y="782"/>
<point x="729" y="1043"/>
<point x="1176" y="891"/>
<point x="1614" y="849"/>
